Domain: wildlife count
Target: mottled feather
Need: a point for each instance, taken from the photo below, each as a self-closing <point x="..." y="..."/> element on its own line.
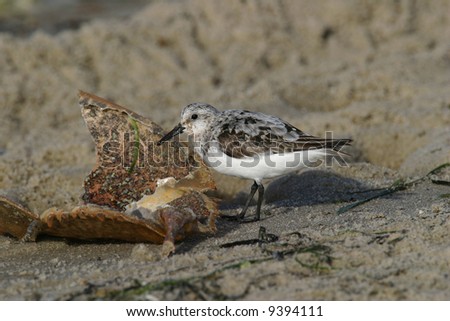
<point x="244" y="133"/>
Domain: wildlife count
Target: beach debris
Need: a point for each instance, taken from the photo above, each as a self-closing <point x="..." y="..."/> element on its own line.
<point x="263" y="237"/>
<point x="399" y="185"/>
<point x="306" y="256"/>
<point x="17" y="221"/>
<point x="137" y="191"/>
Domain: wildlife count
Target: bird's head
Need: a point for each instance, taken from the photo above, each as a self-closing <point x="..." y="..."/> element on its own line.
<point x="196" y="118"/>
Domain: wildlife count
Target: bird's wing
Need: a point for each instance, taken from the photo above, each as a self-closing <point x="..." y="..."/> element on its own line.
<point x="246" y="133"/>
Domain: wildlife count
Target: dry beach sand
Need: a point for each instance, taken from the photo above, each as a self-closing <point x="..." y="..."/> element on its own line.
<point x="375" y="71"/>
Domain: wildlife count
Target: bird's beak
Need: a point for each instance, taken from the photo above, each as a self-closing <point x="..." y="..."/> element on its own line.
<point x="174" y="132"/>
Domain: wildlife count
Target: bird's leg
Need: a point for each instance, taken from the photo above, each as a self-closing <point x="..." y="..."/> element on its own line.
<point x="260" y="199"/>
<point x="249" y="199"/>
<point x="240" y="217"/>
<point x="257" y="216"/>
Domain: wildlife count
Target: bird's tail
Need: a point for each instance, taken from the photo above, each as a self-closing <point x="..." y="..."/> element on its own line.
<point x="335" y="146"/>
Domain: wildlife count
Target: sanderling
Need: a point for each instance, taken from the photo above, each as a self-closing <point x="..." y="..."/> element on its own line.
<point x="251" y="145"/>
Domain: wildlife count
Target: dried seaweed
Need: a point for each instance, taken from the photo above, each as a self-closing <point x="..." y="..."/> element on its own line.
<point x="312" y="257"/>
<point x="398" y="185"/>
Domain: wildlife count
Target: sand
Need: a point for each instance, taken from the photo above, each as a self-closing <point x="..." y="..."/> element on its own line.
<point x="377" y="72"/>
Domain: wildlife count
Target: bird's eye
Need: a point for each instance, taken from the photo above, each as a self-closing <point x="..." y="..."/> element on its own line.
<point x="194" y="116"/>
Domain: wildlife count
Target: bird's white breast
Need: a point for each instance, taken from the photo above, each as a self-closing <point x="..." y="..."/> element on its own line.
<point x="261" y="166"/>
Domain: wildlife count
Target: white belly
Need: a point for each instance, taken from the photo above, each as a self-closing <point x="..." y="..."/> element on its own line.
<point x="262" y="166"/>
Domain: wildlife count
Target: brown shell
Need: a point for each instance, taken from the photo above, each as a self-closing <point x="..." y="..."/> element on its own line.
<point x="129" y="166"/>
<point x="129" y="162"/>
<point x="93" y="222"/>
<point x="16" y="220"/>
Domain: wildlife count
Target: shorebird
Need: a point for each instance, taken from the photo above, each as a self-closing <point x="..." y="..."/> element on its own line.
<point x="251" y="145"/>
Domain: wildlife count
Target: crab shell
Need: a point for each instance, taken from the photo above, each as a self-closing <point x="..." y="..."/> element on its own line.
<point x="130" y="197"/>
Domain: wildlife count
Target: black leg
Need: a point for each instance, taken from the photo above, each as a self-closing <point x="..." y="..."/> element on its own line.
<point x="257" y="217"/>
<point x="260" y="199"/>
<point x="255" y="186"/>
